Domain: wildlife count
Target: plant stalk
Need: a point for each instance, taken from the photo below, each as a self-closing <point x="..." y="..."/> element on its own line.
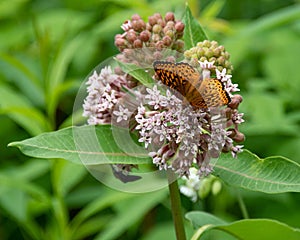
<point x="176" y="206"/>
<point x="242" y="206"/>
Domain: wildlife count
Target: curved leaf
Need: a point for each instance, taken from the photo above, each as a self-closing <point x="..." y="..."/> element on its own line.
<point x="193" y="32"/>
<point x="244" y="229"/>
<point x="87" y="144"/>
<point x="271" y="175"/>
<point x="137" y="72"/>
<point x="102" y="145"/>
<point x="19" y="108"/>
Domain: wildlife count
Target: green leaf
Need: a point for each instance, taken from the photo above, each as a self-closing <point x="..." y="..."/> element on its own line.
<point x="132" y="211"/>
<point x="27" y="81"/>
<point x="164" y="230"/>
<point x="18" y="108"/>
<point x="270" y="175"/>
<point x="244" y="229"/>
<point x="15" y="202"/>
<point x="137" y="72"/>
<point x="193" y="32"/>
<point x="66" y="175"/>
<point x="11" y="182"/>
<point x="92" y="226"/>
<point x="199" y="219"/>
<point x="31" y="169"/>
<point x="87" y="144"/>
<point x="57" y="73"/>
<point x="16" y="195"/>
<point x="102" y="145"/>
<point x="106" y="200"/>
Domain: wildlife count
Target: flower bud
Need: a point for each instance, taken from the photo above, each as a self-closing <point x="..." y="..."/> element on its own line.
<point x="235" y="101"/>
<point x="159" y="45"/>
<point x="179" y="27"/>
<point x="199" y="44"/>
<point x="167" y="41"/>
<point x="221" y="61"/>
<point x="169" y="16"/>
<point x="206" y="43"/>
<point x="161" y="22"/>
<point x="232" y="132"/>
<point x="212" y="59"/>
<point x="214" y="44"/>
<point x="204" y="188"/>
<point x="156" y="28"/>
<point x="200" y="52"/>
<point x="157" y="16"/>
<point x="131" y="36"/>
<point x="148" y="27"/>
<point x="216" y="187"/>
<point x="221" y="48"/>
<point x="227" y="147"/>
<point x="135" y="17"/>
<point x="202" y="59"/>
<point x="170" y="33"/>
<point x="217" y="52"/>
<point x="152" y="20"/>
<point x="239" y="137"/>
<point x="145" y="36"/>
<point x="138" y="25"/>
<point x="209" y="53"/>
<point x="170" y="25"/>
<point x="119" y="42"/>
<point x="138" y="43"/>
<point x="155" y="38"/>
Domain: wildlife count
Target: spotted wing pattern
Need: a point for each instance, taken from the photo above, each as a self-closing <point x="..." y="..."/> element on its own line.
<point x="187" y="81"/>
<point x="213" y="92"/>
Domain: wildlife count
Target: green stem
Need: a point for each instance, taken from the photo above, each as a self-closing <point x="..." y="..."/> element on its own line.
<point x="242" y="206"/>
<point x="176" y="206"/>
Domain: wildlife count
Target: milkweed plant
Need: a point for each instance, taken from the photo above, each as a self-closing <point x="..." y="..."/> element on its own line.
<point x="169" y="99"/>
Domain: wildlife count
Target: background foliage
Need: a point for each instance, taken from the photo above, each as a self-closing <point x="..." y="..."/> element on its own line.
<point x="47" y="48"/>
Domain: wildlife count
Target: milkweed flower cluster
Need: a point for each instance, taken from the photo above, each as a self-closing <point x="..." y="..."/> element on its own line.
<point x="176" y="135"/>
<point x="183" y="136"/>
<point x="104" y="90"/>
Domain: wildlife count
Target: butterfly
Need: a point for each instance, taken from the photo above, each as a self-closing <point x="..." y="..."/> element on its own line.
<point x="200" y="93"/>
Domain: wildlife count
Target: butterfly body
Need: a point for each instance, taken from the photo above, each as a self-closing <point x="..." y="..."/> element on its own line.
<point x="200" y="93"/>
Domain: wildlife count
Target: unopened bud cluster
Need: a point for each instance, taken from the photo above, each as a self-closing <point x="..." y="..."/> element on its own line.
<point x="210" y="51"/>
<point x="234" y="119"/>
<point x="159" y="32"/>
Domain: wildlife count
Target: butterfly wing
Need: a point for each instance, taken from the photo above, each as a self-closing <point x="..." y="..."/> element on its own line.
<point x="168" y="74"/>
<point x="181" y="77"/>
<point x="186" y="80"/>
<point x="213" y="93"/>
<point x="193" y="83"/>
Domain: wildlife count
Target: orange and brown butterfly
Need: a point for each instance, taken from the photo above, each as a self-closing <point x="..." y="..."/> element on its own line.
<point x="200" y="93"/>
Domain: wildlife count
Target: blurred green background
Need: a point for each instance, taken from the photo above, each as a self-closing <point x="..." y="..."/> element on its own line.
<point x="47" y="48"/>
